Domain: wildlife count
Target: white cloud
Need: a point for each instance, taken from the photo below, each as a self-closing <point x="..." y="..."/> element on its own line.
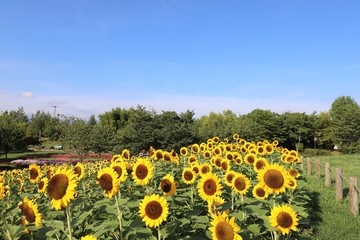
<point x="27" y="94"/>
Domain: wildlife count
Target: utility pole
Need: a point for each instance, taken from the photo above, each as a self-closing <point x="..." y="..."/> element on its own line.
<point x="55" y="109"/>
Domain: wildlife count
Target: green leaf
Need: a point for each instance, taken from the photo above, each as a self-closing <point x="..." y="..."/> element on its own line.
<point x="255" y="228"/>
<point x="56" y="224"/>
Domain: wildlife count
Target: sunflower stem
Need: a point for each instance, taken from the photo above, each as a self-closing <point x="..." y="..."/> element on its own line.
<point x="159" y="233"/>
<point x="192" y="195"/>
<point x="232" y="199"/>
<point x="242" y="206"/>
<point x="68" y="217"/>
<point x="119" y="213"/>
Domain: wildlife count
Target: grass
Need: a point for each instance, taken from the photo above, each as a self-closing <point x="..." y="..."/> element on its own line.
<point x="331" y="218"/>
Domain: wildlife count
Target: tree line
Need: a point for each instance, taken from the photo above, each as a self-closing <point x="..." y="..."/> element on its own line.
<point x="138" y="128"/>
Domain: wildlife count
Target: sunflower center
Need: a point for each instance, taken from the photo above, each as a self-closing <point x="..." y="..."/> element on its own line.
<point x="77" y="171"/>
<point x="293" y="172"/>
<point x="188" y="176"/>
<point x="260" y="192"/>
<point x="274" y="178"/>
<point x="259" y="165"/>
<point x="224" y="231"/>
<point x="251" y="159"/>
<point x="118" y="170"/>
<point x="210" y="187"/>
<point x="240" y="184"/>
<point x="141" y="171"/>
<point x="284" y="220"/>
<point x="224" y="165"/>
<point x="34" y="173"/>
<point x="27" y="212"/>
<point x="105" y="182"/>
<point x="205" y="169"/>
<point x="230" y="177"/>
<point x="57" y="186"/>
<point x="166" y="185"/>
<point x="41" y="185"/>
<point x="153" y="210"/>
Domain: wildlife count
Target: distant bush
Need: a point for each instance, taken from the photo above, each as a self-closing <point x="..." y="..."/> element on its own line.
<point x="308" y="152"/>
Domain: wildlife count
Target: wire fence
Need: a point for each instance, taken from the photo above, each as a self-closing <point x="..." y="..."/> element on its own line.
<point x="352" y="181"/>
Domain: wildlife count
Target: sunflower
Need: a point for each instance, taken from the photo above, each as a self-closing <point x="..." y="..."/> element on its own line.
<point x="223" y="228"/>
<point x="205" y="168"/>
<point x="209" y="186"/>
<point x="250" y="158"/>
<point x="236" y="136"/>
<point x="2" y="190"/>
<point x="269" y="148"/>
<point x="167" y="185"/>
<point x="216" y="139"/>
<point x="42" y="185"/>
<point x="217" y="151"/>
<point x="61" y="187"/>
<point x="79" y="170"/>
<point x="225" y="164"/>
<point x="125" y="154"/>
<point x="88" y="237"/>
<point x="292" y="183"/>
<point x="120" y="169"/>
<point x="229" y="156"/>
<point x="167" y="157"/>
<point x="294" y="173"/>
<point x="116" y="158"/>
<point x="158" y="154"/>
<point x="213" y="205"/>
<point x="195" y="148"/>
<point x="35" y="173"/>
<point x="195" y="167"/>
<point x="216" y="161"/>
<point x="241" y="183"/>
<point x="153" y="210"/>
<point x="259" y="192"/>
<point x="107" y="178"/>
<point x="192" y="159"/>
<point x="260" y="163"/>
<point x="143" y="171"/>
<point x="184" y="151"/>
<point x="284" y="218"/>
<point x="274" y="177"/>
<point x="229" y="177"/>
<point x="261" y="150"/>
<point x="30" y="213"/>
<point x="207" y="154"/>
<point x="188" y="176"/>
<point x="210" y="145"/>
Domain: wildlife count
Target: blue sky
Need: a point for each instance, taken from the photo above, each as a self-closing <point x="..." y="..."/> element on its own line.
<point x="87" y="57"/>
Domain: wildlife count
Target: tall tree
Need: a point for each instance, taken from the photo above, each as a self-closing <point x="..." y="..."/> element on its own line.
<point x="345" y="122"/>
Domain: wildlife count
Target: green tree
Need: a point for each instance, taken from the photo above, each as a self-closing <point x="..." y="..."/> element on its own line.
<point x="297" y="130"/>
<point x="102" y="138"/>
<point x="345" y="122"/>
<point x="323" y="131"/>
<point x="76" y="135"/>
<point x="259" y="125"/>
<point x="12" y="133"/>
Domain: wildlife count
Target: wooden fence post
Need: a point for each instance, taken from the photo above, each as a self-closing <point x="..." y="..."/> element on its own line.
<point x="327" y="175"/>
<point x="318" y="168"/>
<point x="339" y="185"/>
<point x="354" y="195"/>
<point x="302" y="163"/>
<point x="308" y="165"/>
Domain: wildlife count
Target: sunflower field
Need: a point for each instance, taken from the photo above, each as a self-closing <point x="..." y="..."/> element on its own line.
<point x="219" y="189"/>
